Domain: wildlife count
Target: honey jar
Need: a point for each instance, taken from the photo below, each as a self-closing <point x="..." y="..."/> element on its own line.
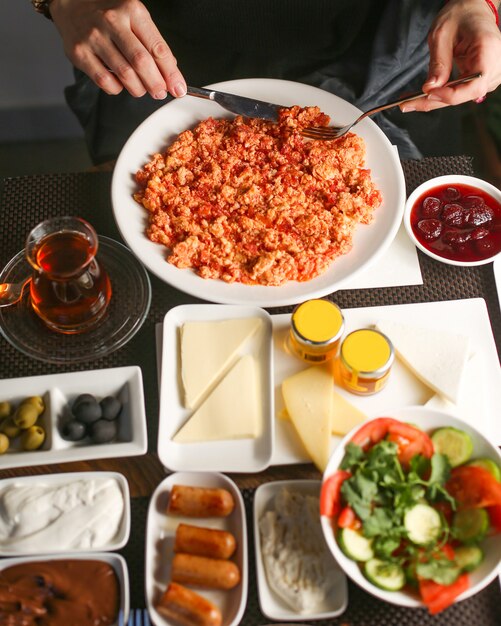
<point x="365" y="361"/>
<point x="316" y="330"/>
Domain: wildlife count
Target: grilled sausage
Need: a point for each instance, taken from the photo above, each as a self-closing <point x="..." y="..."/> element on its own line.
<point x="187" y="607"/>
<point x="201" y="571"/>
<point x="200" y="501"/>
<point x="216" y="544"/>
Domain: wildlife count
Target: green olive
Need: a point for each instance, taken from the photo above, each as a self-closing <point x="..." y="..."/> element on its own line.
<point x="26" y="415"/>
<point x="4" y="443"/>
<point x="9" y="428"/>
<point x="5" y="409"/>
<point x="37" y="402"/>
<point x="33" y="438"/>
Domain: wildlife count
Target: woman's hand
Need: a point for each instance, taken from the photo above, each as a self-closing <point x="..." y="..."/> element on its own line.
<point x="464" y="33"/>
<point x="116" y="43"/>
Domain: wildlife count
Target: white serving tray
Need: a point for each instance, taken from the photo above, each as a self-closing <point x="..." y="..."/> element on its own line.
<point x="54" y="480"/>
<point x="481" y="396"/>
<point x="58" y="392"/>
<point x="239" y="455"/>
<point x="115" y="560"/>
<point x="272" y="605"/>
<point x="160" y="533"/>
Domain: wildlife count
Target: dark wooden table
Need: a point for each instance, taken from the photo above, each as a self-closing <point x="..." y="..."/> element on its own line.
<point x="26" y="201"/>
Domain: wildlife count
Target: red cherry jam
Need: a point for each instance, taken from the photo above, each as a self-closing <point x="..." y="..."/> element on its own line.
<point x="458" y="222"/>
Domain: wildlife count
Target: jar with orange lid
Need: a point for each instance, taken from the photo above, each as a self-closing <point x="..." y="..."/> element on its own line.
<point x="365" y="359"/>
<point x="316" y="330"/>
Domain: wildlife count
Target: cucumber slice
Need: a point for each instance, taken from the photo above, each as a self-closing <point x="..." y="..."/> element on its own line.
<point x="470" y="525"/>
<point x="355" y="545"/>
<point x="385" y="575"/>
<point x="423" y="524"/>
<point x="455" y="444"/>
<point x="468" y="557"/>
<point x="489" y="465"/>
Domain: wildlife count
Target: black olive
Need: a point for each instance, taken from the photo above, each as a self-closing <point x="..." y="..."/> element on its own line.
<point x="103" y="431"/>
<point x="110" y="407"/>
<point x="87" y="411"/>
<point x="73" y="430"/>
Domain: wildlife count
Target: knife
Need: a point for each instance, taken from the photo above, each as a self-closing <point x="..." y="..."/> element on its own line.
<point x="248" y="107"/>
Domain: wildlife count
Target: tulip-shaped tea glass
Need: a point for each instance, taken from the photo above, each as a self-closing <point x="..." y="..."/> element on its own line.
<point x="69" y="289"/>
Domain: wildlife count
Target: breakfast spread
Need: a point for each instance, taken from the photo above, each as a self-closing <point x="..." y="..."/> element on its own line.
<point x="412" y="508"/>
<point x="59" y="593"/>
<point x="458" y="222"/>
<point x="298" y="566"/>
<point x="45" y="516"/>
<point x="251" y="201"/>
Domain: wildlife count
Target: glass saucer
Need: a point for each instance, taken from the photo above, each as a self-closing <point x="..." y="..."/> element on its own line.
<point x="127" y="310"/>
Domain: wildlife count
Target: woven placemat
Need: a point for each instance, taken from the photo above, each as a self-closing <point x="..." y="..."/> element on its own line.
<point x="483" y="609"/>
<point x="25" y="201"/>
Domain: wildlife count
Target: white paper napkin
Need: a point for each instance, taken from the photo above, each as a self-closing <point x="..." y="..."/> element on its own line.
<point x="398" y="266"/>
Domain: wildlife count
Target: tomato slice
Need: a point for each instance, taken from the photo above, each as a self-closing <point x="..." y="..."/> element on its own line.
<point x="495" y="517"/>
<point x="438" y="597"/>
<point x="474" y="487"/>
<point x="330" y="494"/>
<point x="372" y="432"/>
<point x="348" y="519"/>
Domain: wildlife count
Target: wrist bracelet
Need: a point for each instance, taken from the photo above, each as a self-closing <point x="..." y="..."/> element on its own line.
<point x="493" y="8"/>
<point x="42" y="6"/>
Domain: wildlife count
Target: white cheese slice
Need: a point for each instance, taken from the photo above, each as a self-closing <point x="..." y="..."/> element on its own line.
<point x="437" y="357"/>
<point x="208" y="350"/>
<point x="231" y="411"/>
<point x="345" y="416"/>
<point x="309" y="403"/>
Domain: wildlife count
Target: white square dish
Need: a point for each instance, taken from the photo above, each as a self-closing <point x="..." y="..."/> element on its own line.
<point x="59" y="391"/>
<point x="63" y="513"/>
<point x="160" y="533"/>
<point x="272" y="605"/>
<point x="236" y="455"/>
<point x="116" y="561"/>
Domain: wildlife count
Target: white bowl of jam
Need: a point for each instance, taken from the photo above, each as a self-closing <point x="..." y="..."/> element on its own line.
<point x="455" y="219"/>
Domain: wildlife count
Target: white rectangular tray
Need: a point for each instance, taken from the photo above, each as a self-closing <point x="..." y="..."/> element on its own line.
<point x="59" y="391"/>
<point x="481" y="396"/>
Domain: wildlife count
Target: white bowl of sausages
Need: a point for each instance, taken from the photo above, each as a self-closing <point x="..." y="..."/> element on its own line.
<point x="196" y="569"/>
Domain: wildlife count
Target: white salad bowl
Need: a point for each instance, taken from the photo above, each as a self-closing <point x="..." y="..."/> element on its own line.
<point x="428" y="420"/>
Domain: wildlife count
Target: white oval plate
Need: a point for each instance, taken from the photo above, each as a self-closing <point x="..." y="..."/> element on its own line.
<point x="160" y="533"/>
<point x="272" y="606"/>
<point x="235" y="455"/>
<point x="427" y="419"/>
<point x="115" y="560"/>
<point x="53" y="480"/>
<point x="162" y="127"/>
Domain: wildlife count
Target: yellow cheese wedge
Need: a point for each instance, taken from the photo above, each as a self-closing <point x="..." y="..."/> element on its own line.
<point x="345" y="416"/>
<point x="308" y="400"/>
<point x="208" y="350"/>
<point x="438" y="358"/>
<point x="231" y="411"/>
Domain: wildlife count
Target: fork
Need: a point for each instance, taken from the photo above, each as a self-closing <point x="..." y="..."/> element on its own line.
<point x="335" y="132"/>
<point x="137" y="617"/>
